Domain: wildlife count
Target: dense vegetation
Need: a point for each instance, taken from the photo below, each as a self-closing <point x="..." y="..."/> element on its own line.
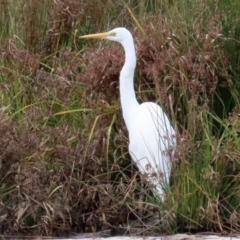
<point x="64" y="164"/>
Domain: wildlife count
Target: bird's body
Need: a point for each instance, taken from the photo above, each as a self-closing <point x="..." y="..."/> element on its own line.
<point x="150" y="133"/>
<point x="150" y="144"/>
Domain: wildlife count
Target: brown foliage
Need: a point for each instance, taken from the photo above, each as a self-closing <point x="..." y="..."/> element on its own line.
<point x="55" y="180"/>
<point x="56" y="187"/>
<point x="183" y="77"/>
<point x="102" y="78"/>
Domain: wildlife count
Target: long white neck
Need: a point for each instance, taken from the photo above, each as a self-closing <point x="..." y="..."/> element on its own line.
<point x="127" y="93"/>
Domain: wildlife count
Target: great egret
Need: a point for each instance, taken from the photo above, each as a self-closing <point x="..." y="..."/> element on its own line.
<point x="151" y="135"/>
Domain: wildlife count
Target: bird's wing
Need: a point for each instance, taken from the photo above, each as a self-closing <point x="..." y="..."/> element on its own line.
<point x="151" y="136"/>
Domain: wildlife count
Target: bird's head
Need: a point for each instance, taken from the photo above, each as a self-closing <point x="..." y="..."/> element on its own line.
<point x="118" y="34"/>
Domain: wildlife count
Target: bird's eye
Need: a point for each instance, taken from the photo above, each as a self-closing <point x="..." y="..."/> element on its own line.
<point x="112" y="34"/>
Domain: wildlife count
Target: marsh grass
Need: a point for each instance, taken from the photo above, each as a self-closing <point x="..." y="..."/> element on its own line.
<point x="64" y="164"/>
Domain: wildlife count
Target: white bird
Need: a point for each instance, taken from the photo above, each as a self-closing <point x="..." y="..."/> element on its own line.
<point x="151" y="135"/>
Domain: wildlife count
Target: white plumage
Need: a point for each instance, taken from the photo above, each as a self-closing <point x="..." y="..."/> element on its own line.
<point x="151" y="136"/>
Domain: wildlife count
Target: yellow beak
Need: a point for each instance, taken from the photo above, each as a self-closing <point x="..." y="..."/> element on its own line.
<point x="97" y="35"/>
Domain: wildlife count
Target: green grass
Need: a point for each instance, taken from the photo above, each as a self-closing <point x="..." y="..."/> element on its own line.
<point x="64" y="164"/>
